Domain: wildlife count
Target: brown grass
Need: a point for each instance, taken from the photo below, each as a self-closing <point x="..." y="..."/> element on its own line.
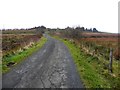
<point x="13" y="42"/>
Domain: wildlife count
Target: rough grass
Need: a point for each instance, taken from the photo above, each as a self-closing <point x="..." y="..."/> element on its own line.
<point x="91" y="69"/>
<point x="18" y="57"/>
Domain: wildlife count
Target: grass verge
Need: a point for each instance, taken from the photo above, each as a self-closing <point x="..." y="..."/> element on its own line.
<point x="86" y="66"/>
<point x="18" y="57"/>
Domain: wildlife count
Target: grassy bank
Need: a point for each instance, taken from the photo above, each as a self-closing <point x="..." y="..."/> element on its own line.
<point x="13" y="59"/>
<point x="90" y="69"/>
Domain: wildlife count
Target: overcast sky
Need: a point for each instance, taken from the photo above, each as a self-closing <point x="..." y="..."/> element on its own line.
<point x="101" y="14"/>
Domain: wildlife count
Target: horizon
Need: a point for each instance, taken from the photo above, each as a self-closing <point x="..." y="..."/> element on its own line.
<point x="60" y="14"/>
<point x="58" y="28"/>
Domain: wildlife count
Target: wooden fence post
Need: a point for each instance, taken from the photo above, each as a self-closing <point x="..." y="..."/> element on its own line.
<point x="111" y="60"/>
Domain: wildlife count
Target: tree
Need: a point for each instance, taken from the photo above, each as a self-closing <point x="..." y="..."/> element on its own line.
<point x="95" y="30"/>
<point x="43" y="27"/>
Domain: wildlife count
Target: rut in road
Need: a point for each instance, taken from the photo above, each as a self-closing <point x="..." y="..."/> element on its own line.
<point x="50" y="67"/>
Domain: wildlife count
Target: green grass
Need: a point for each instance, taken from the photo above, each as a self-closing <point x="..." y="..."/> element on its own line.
<point x="86" y="67"/>
<point x="18" y="57"/>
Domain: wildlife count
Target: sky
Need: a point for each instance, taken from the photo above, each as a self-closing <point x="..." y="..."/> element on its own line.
<point x="99" y="14"/>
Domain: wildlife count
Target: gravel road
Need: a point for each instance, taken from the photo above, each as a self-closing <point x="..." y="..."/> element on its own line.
<point x="50" y="67"/>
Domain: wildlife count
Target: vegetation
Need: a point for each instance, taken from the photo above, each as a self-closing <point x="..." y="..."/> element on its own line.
<point x="91" y="51"/>
<point x="89" y="48"/>
<point x="15" y="31"/>
<point x="18" y="45"/>
<point x="13" y="59"/>
<point x="12" y="42"/>
<point x="92" y="70"/>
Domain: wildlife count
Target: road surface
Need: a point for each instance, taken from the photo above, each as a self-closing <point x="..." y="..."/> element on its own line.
<point x="50" y="67"/>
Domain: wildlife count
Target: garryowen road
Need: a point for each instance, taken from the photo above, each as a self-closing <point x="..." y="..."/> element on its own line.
<point x="50" y="67"/>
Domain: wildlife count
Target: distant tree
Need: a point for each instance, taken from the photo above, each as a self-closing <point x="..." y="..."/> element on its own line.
<point x="72" y="33"/>
<point x="89" y="30"/>
<point x="80" y="28"/>
<point x="95" y="30"/>
<point x="40" y="29"/>
<point x="67" y="28"/>
<point x="43" y="27"/>
<point x="77" y="28"/>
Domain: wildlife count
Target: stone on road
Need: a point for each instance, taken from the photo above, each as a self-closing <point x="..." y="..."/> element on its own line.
<point x="50" y="67"/>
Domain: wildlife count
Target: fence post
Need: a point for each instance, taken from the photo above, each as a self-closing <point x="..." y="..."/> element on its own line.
<point x="110" y="60"/>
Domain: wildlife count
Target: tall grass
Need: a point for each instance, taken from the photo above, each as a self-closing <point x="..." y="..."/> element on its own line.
<point x="91" y="69"/>
<point x="18" y="57"/>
